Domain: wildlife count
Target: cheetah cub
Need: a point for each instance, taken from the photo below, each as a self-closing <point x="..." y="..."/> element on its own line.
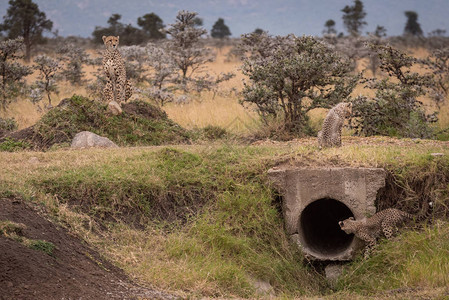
<point x="384" y="222"/>
<point x="117" y="87"/>
<point x="330" y="135"/>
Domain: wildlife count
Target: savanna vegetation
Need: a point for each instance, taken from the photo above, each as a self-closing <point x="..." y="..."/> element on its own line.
<point x="185" y="204"/>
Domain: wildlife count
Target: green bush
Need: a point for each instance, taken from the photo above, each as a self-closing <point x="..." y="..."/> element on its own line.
<point x="12" y="145"/>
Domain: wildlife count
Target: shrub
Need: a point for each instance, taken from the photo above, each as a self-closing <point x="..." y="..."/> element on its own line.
<point x="11" y="71"/>
<point x="12" y="145"/>
<point x="395" y="109"/>
<point x="7" y="125"/>
<point x="289" y="76"/>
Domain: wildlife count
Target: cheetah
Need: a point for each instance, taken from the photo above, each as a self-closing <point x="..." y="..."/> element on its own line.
<point x="385" y="221"/>
<point x="330" y="135"/>
<point x="117" y="87"/>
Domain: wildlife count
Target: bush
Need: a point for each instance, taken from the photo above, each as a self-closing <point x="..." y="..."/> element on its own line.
<point x="289" y="76"/>
<point x="7" y="125"/>
<point x="12" y="145"/>
<point x="395" y="109"/>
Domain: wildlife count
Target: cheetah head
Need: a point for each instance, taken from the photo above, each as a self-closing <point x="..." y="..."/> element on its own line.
<point x="111" y="42"/>
<point x="348" y="225"/>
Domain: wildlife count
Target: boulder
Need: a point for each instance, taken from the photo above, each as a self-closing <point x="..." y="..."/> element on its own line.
<point x="87" y="139"/>
<point x="114" y="108"/>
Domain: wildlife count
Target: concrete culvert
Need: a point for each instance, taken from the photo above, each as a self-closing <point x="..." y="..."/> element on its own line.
<point x="314" y="200"/>
<point x="319" y="230"/>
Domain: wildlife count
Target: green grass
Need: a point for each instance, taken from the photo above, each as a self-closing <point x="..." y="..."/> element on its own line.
<point x="414" y="259"/>
<point x="214" y="204"/>
<point x="12" y="145"/>
<point x="145" y="125"/>
<point x="204" y="221"/>
<point x="15" y="232"/>
<point x="40" y="245"/>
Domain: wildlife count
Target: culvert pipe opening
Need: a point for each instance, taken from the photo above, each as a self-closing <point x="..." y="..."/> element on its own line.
<point x="319" y="229"/>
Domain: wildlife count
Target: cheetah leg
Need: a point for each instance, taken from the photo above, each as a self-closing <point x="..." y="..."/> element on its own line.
<point x="388" y="230"/>
<point x="121" y="89"/>
<point x="108" y="92"/>
<point x="336" y="139"/>
<point x="370" y="244"/>
<point x="128" y="90"/>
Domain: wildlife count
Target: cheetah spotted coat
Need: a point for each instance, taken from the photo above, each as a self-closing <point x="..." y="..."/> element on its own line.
<point x="117" y="87"/>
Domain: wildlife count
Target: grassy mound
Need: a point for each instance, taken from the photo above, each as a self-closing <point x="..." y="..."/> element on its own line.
<point x="213" y="211"/>
<point x="140" y="124"/>
<point x="204" y="221"/>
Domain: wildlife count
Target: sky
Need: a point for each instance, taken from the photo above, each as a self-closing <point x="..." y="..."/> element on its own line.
<point x="278" y="17"/>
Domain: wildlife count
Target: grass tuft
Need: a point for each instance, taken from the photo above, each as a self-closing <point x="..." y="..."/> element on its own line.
<point x="411" y="260"/>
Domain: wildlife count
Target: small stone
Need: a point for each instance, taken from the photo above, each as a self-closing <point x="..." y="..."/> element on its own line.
<point x="114" y="108"/>
<point x="333" y="272"/>
<point x="33" y="160"/>
<point x="437" y="154"/>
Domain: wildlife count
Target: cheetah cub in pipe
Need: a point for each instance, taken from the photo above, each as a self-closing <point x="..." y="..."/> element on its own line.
<point x="384" y="222"/>
<point x="330" y="135"/>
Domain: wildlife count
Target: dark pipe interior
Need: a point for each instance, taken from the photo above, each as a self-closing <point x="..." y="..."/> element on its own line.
<point x="319" y="226"/>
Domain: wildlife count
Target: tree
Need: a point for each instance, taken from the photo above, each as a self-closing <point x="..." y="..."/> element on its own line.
<point x="152" y="26"/>
<point x="220" y="30"/>
<point x="197" y="22"/>
<point x="48" y="76"/>
<point x="437" y="33"/>
<point x="258" y="31"/>
<point x="380" y="32"/>
<point x="353" y="18"/>
<point x="412" y="26"/>
<point x="129" y="35"/>
<point x="289" y="76"/>
<point x="74" y="58"/>
<point x="438" y="63"/>
<point x="11" y="71"/>
<point x="24" y="18"/>
<point x="185" y="46"/>
<point x="330" y="27"/>
<point x="395" y="108"/>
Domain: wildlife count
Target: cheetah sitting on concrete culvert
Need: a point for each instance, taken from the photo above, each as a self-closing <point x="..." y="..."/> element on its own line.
<point x="384" y="222"/>
<point x="330" y="135"/>
<point x="117" y="87"/>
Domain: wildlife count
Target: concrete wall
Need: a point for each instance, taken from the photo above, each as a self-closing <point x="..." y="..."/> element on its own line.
<point x="315" y="199"/>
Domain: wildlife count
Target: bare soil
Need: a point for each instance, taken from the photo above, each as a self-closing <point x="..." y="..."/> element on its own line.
<point x="73" y="271"/>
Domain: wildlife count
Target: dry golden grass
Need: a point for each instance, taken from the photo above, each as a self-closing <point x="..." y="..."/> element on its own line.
<point x="222" y="109"/>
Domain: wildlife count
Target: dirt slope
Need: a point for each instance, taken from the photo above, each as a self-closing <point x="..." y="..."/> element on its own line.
<point x="73" y="271"/>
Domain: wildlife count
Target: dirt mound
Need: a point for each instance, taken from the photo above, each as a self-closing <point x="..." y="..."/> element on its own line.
<point x="140" y="124"/>
<point x="144" y="110"/>
<point x="66" y="270"/>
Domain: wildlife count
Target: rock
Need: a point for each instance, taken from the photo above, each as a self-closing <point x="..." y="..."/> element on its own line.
<point x="333" y="272"/>
<point x="33" y="160"/>
<point x="114" y="108"/>
<point x="437" y="154"/>
<point x="262" y="287"/>
<point x="87" y="139"/>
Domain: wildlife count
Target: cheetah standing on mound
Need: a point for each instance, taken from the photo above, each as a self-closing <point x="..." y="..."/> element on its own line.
<point x="117" y="88"/>
<point x="330" y="135"/>
<point x="385" y="221"/>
